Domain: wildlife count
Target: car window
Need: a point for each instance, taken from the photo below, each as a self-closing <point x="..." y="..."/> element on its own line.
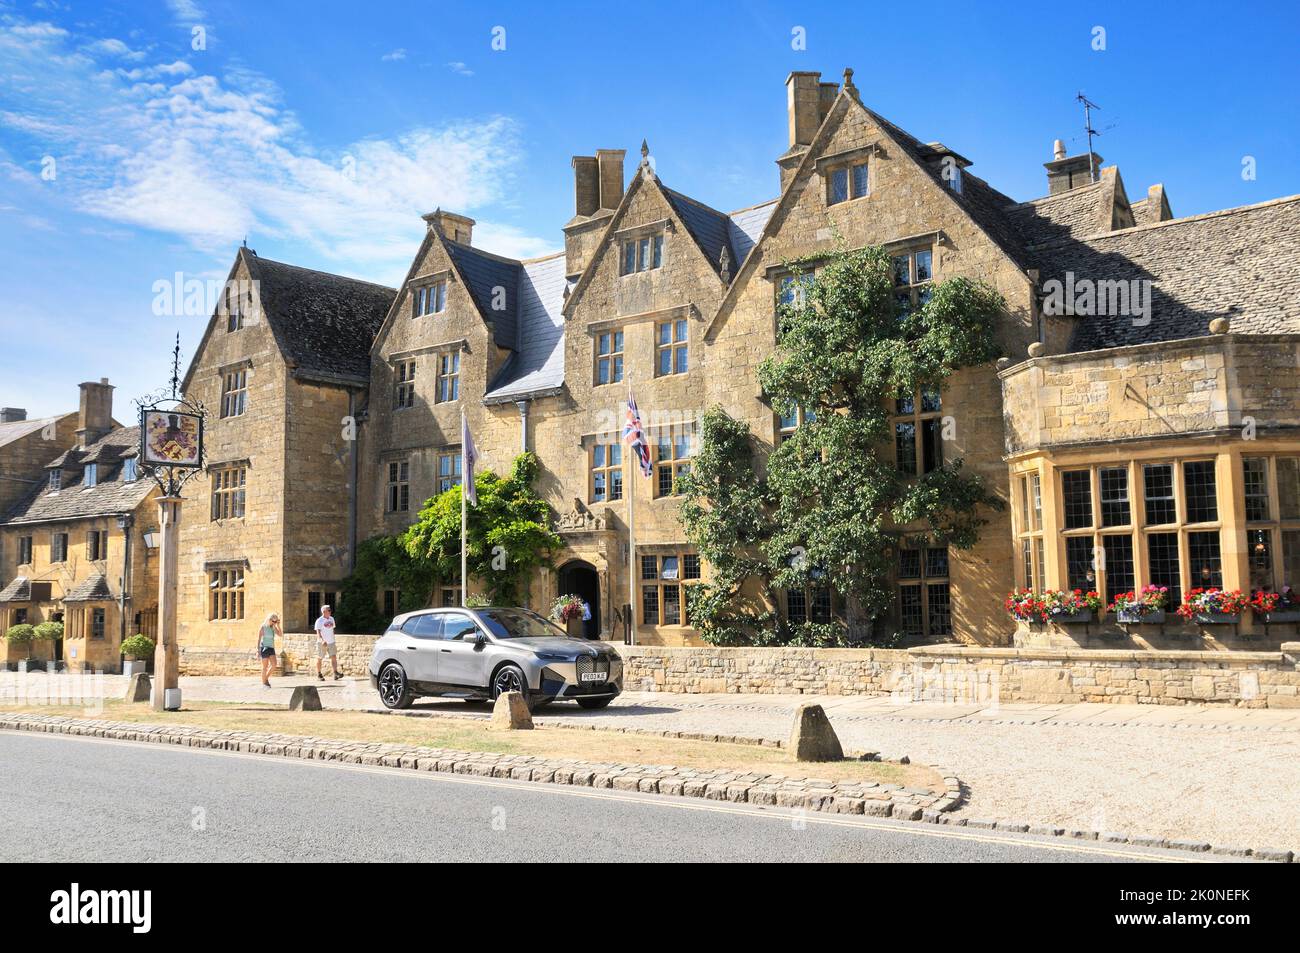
<point x="424" y="626"/>
<point x="520" y="624"/>
<point x="457" y="626"/>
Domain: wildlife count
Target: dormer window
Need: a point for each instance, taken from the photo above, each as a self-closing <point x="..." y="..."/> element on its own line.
<point x="56" y="480"/>
<point x="952" y="176"/>
<point x="644" y="253"/>
<point x="130" y="470"/>
<point x="845" y="182"/>
<point x="91" y="476"/>
<point x="429" y="299"/>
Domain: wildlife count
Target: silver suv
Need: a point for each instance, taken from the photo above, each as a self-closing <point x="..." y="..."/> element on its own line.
<point x="477" y="654"/>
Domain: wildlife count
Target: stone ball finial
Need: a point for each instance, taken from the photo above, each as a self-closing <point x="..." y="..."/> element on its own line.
<point x="1220" y="326"/>
<point x="1037" y="349"/>
<point x="1003" y="363"/>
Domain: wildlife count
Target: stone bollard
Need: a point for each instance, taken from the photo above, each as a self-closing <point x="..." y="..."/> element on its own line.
<point x="813" y="738"/>
<point x="138" y="689"/>
<point x="510" y="713"/>
<point x="305" y="698"/>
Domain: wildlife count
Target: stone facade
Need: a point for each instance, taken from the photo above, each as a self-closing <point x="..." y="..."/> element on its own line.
<point x="523" y="342"/>
<point x="75" y="549"/>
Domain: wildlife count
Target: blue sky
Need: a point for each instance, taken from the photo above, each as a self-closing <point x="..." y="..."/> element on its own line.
<point x="323" y="135"/>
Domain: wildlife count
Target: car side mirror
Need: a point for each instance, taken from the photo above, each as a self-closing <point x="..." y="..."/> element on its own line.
<point x="480" y="639"/>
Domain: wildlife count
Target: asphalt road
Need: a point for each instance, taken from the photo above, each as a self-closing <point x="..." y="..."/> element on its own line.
<point x="81" y="799"/>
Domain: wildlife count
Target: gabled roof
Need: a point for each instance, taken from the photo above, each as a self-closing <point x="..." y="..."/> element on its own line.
<point x="323" y="323"/>
<point x="709" y="227"/>
<point x="536" y="367"/>
<point x="484" y="273"/>
<point x="1240" y="264"/>
<point x="19" y="590"/>
<point x="17" y="429"/>
<point x="94" y="588"/>
<point x="745" y="227"/>
<point x="111" y="496"/>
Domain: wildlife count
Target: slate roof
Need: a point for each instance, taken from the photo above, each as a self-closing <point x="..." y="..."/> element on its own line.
<point x="17" y="429"/>
<point x="20" y="590"/>
<point x="1071" y="214"/>
<point x="745" y="228"/>
<point x="93" y="588"/>
<point x="324" y="324"/>
<point x="109" y="497"/>
<point x="1241" y="263"/>
<point x="537" y="363"/>
<point x="484" y="272"/>
<point x="710" y="228"/>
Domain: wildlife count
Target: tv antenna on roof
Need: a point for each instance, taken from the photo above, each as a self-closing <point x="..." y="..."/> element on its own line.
<point x="1088" y="107"/>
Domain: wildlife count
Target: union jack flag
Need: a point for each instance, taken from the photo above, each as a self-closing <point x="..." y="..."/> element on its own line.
<point x="635" y="437"/>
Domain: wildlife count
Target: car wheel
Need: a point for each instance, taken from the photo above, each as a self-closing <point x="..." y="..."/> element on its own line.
<point x="394" y="690"/>
<point x="593" y="703"/>
<point x="510" y="678"/>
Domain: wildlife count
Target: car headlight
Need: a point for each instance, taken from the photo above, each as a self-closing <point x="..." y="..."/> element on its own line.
<point x="551" y="657"/>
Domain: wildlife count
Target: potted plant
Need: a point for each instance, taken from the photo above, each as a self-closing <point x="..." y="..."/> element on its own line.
<point x="1074" y="607"/>
<point x="21" y="637"/>
<point x="1213" y="606"/>
<point x="1146" y="606"/>
<point x="1024" y="605"/>
<point x="50" y="632"/>
<point x="1281" y="606"/>
<point x="137" y="651"/>
<point x="571" y="612"/>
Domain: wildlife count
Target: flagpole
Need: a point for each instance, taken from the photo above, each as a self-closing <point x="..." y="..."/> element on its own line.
<point x="629" y="487"/>
<point x="464" y="554"/>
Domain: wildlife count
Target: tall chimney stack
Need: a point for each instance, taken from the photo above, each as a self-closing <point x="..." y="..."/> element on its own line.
<point x="610" y="162"/>
<point x="456" y="228"/>
<point x="95" y="415"/>
<point x="808" y="100"/>
<point x="586" y="185"/>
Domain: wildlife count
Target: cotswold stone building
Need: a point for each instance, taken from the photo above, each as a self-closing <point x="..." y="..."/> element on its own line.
<point x="80" y="547"/>
<point x="1112" y="427"/>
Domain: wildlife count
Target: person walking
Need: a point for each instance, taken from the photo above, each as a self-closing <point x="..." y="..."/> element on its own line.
<point x="266" y="636"/>
<point x="325" y="643"/>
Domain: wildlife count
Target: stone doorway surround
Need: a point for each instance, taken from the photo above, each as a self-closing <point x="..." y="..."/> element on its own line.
<point x="588" y="538"/>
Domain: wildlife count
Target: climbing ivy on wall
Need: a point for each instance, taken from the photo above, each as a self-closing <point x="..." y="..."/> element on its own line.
<point x="827" y="507"/>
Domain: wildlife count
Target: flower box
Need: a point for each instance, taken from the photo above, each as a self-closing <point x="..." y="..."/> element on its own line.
<point x="1216" y="618"/>
<point x="1135" y="617"/>
<point x="1285" y="615"/>
<point x="1082" y="617"/>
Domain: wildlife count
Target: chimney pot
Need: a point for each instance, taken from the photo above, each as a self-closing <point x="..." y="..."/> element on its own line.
<point x="1058" y="149"/>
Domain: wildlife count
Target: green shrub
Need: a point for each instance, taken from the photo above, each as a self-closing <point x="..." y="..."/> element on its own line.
<point x="21" y="634"/>
<point x="139" y="647"/>
<point x="49" y="631"/>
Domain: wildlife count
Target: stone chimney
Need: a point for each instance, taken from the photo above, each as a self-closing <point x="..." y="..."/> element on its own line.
<point x="1070" y="172"/>
<point x="808" y="100"/>
<point x="610" y="162"/>
<point x="95" y="417"/>
<point x="10" y="415"/>
<point x="456" y="228"/>
<point x="586" y="185"/>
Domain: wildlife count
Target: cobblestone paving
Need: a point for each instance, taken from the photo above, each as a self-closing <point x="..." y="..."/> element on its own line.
<point x="1223" y="775"/>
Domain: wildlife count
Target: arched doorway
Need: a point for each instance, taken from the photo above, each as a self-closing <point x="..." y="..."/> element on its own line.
<point x="580" y="578"/>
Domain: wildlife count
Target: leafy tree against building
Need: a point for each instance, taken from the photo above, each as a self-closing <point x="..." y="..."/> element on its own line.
<point x="508" y="534"/>
<point x="827" y="511"/>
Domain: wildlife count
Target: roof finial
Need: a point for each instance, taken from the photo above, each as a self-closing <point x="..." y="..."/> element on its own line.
<point x="176" y="366"/>
<point x="848" y="82"/>
<point x="645" y="150"/>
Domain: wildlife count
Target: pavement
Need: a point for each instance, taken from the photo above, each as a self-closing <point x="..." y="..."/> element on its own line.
<point x="154" y="803"/>
<point x="1216" y="774"/>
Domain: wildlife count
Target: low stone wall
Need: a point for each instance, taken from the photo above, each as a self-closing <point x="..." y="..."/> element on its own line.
<point x="297" y="655"/>
<point x="966" y="675"/>
<point x="932" y="673"/>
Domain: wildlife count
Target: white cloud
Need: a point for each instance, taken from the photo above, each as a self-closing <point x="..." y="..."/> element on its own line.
<point x="114" y="47"/>
<point x="398" y="54"/>
<point x="212" y="159"/>
<point x="186" y="11"/>
<point x="456" y="66"/>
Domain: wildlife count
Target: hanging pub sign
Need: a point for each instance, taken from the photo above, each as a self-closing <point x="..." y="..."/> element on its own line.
<point x="171" y="438"/>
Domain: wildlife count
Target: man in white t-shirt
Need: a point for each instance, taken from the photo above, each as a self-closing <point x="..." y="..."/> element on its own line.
<point x="325" y="642"/>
